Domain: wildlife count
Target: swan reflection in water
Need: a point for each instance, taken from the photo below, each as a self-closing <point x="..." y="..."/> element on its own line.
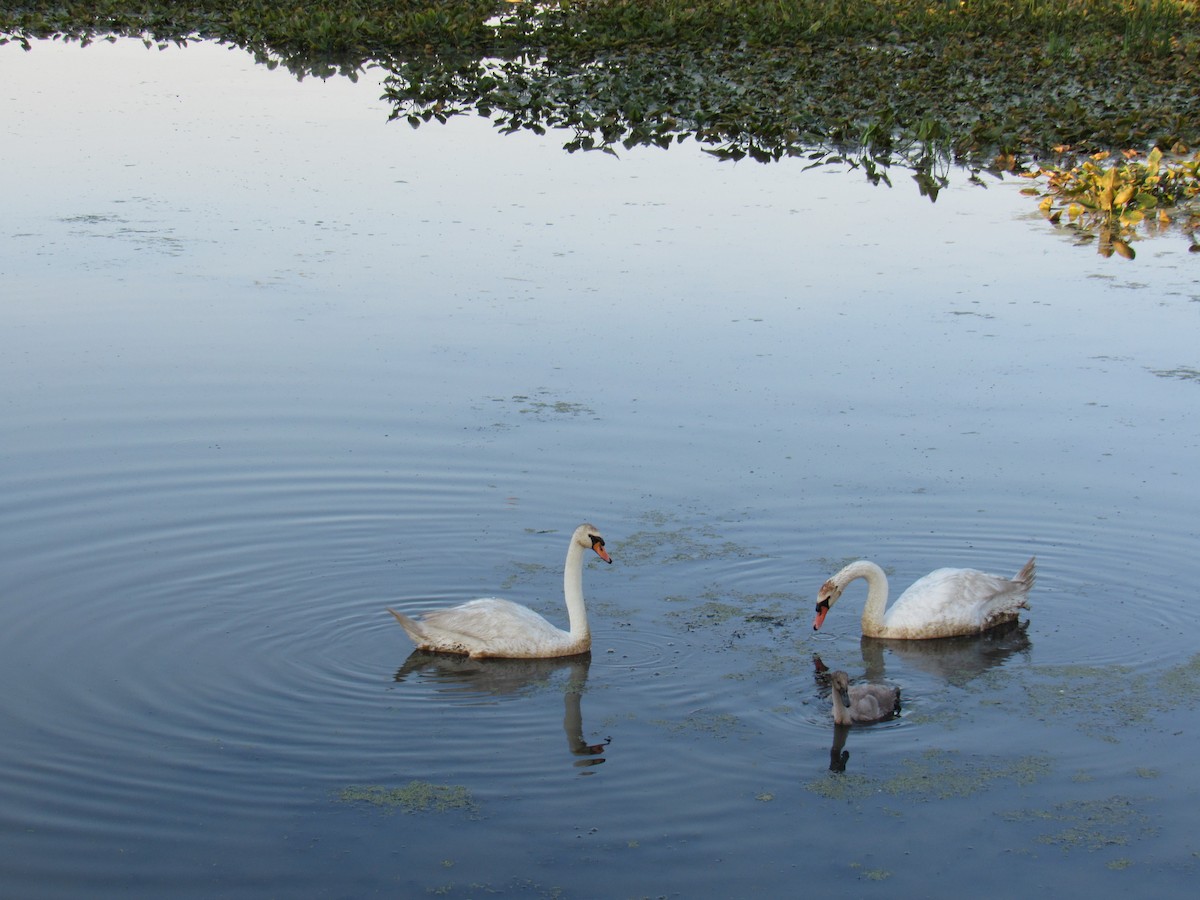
<point x="838" y="755"/>
<point x="510" y="677"/>
<point x="954" y="660"/>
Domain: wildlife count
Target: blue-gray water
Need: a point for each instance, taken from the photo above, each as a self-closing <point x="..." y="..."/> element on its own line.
<point x="269" y="365"/>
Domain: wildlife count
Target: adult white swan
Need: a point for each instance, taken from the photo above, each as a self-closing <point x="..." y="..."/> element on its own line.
<point x="862" y="703"/>
<point x="494" y="627"/>
<point x="945" y="603"/>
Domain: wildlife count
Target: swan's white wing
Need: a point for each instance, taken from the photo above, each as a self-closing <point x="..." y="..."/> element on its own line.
<point x="955" y="601"/>
<point x="490" y="627"/>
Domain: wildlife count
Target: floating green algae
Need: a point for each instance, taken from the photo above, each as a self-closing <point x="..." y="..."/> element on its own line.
<point x="1103" y="700"/>
<point x="667" y="539"/>
<point x="1089" y="824"/>
<point x="721" y="725"/>
<point x="933" y="775"/>
<point x="414" y="797"/>
<point x="542" y="405"/>
<point x="939" y="774"/>
<point x="767" y="612"/>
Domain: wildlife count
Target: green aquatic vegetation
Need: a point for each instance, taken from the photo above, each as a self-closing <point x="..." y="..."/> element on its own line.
<point x="934" y="775"/>
<point x="940" y="774"/>
<point x="1184" y="373"/>
<point x="986" y="86"/>
<point x="1115" y="203"/>
<point x="414" y="797"/>
<point x="1068" y="693"/>
<point x="662" y="545"/>
<point x="872" y="874"/>
<point x="868" y="83"/>
<point x="844" y="786"/>
<point x="719" y="725"/>
<point x="542" y="406"/>
<point x="710" y="612"/>
<point x="1089" y="824"/>
<point x="753" y="613"/>
<point x="524" y="572"/>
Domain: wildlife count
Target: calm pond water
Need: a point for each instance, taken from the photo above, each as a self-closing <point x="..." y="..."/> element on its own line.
<point x="269" y="365"/>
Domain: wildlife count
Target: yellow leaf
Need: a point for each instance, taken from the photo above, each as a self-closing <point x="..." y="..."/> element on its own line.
<point x="1153" y="160"/>
<point x="1046" y="203"/>
<point x="1104" y="198"/>
<point x="1123" y="249"/>
<point x="1123" y="195"/>
<point x="1074" y="211"/>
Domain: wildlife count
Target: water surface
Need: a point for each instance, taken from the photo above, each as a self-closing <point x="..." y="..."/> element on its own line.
<point x="269" y="364"/>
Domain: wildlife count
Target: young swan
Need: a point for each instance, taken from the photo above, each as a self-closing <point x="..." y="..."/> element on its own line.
<point x="945" y="603"/>
<point x="862" y="703"/>
<point x="501" y="628"/>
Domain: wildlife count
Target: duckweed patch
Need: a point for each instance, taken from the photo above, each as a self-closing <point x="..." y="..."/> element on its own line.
<point x="1183" y="373"/>
<point x="844" y="786"/>
<point x="714" y="724"/>
<point x="761" y="612"/>
<point x="710" y="612"/>
<point x="1130" y="697"/>
<point x="414" y="797"/>
<point x="940" y="774"/>
<point x="934" y="775"/>
<point x="524" y="572"/>
<point x="1089" y="825"/>
<point x="542" y="406"/>
<point x="662" y="545"/>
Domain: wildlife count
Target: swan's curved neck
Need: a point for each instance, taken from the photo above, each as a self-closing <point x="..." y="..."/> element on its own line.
<point x="877" y="594"/>
<point x="573" y="592"/>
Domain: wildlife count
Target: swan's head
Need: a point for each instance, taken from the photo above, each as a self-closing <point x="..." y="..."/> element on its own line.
<point x="841" y="683"/>
<point x="588" y="537"/>
<point x="828" y="595"/>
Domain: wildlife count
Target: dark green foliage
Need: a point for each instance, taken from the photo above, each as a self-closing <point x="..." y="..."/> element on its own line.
<point x="920" y="83"/>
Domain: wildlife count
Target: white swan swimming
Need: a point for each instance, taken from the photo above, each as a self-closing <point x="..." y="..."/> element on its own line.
<point x="945" y="603"/>
<point x="501" y="628"/>
<point x="862" y="702"/>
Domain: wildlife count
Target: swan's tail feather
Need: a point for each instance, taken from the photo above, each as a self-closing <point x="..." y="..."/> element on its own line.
<point x="410" y="626"/>
<point x="1028" y="574"/>
<point x="1024" y="581"/>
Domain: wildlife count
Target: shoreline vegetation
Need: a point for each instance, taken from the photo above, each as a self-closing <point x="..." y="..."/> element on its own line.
<point x="1094" y="100"/>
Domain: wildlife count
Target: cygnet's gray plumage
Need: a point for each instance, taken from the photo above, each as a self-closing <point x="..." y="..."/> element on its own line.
<point x="862" y="703"/>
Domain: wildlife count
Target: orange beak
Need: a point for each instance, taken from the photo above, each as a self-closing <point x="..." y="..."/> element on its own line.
<point x="602" y="553"/>
<point x="822" y="612"/>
